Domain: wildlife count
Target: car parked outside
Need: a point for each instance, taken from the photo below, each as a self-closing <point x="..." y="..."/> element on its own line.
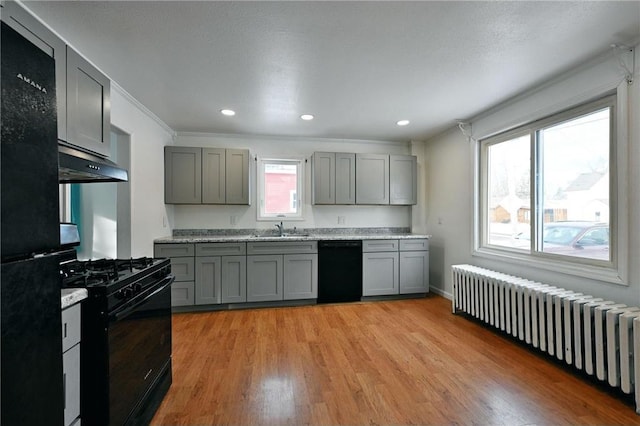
<point x="574" y="238"/>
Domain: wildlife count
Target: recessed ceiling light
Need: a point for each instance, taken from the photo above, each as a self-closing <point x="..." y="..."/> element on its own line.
<point x="402" y="122"/>
<point x="306" y="117"/>
<point x="228" y="112"/>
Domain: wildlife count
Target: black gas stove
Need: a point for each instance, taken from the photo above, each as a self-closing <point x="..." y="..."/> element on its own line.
<point x="120" y="280"/>
<point x="126" y="337"/>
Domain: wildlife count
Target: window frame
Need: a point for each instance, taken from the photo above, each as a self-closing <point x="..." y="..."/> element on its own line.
<point x="300" y="174"/>
<point x="616" y="269"/>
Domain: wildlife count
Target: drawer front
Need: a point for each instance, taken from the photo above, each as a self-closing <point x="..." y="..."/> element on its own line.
<point x="183" y="268"/>
<point x="221" y="249"/>
<point x="369" y="246"/>
<point x="414" y="245"/>
<point x="285" y="247"/>
<point x="173" y="250"/>
<point x="70" y="326"/>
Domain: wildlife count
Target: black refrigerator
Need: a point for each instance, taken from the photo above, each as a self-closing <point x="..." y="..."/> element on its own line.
<point x="31" y="347"/>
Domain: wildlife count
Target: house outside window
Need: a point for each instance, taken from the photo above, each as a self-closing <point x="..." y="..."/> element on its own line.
<point x="546" y="189"/>
<point x="280" y="183"/>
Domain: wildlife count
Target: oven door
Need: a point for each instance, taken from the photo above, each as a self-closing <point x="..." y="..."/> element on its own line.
<point x="139" y="348"/>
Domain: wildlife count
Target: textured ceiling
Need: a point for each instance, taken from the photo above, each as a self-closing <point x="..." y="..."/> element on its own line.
<point x="357" y="66"/>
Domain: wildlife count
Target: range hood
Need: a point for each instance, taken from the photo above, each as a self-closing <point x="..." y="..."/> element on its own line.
<point x="77" y="166"/>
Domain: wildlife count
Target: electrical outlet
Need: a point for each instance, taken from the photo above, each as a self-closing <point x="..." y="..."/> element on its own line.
<point x="234" y="220"/>
<point x="341" y="220"/>
<point x="164" y="221"/>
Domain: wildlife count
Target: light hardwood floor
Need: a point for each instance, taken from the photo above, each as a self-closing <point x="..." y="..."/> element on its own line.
<point x="375" y="363"/>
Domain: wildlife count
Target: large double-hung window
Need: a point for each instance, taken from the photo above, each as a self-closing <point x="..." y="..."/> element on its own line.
<point x="548" y="189"/>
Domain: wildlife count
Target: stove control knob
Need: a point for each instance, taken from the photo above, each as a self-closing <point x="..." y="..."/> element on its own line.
<point x="127" y="292"/>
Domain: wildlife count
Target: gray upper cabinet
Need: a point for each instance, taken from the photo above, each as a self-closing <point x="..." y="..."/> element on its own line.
<point x="324" y="177"/>
<point x="30" y="28"/>
<point x="82" y="91"/>
<point x="237" y="176"/>
<point x="206" y="175"/>
<point x="403" y="179"/>
<point x="88" y="105"/>
<point x="334" y="178"/>
<point x="182" y="175"/>
<point x="372" y="179"/>
<point x="213" y="176"/>
<point x="345" y="178"/>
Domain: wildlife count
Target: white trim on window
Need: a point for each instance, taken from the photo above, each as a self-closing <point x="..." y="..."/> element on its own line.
<point x="614" y="271"/>
<point x="298" y="214"/>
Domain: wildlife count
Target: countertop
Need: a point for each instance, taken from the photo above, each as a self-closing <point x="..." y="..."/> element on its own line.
<point x="71" y="296"/>
<point x="182" y="239"/>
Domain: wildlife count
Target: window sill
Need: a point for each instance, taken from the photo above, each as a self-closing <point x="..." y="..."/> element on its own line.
<point x="599" y="273"/>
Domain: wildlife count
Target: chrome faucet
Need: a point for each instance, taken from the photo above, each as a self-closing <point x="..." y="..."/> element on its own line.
<point x="280" y="228"/>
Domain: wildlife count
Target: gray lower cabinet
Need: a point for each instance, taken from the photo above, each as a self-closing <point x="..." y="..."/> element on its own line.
<point x="182" y="268"/>
<point x="71" y="363"/>
<point x="414" y="272"/>
<point x="221" y="273"/>
<point x="234" y="279"/>
<point x="380" y="273"/>
<point x="300" y="276"/>
<point x="391" y="267"/>
<point x="282" y="271"/>
<point x="221" y="279"/>
<point x="414" y="266"/>
<point x="264" y="278"/>
<point x="208" y="285"/>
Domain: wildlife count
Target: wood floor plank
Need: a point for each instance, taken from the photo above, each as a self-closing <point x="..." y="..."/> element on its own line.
<point x="376" y="363"/>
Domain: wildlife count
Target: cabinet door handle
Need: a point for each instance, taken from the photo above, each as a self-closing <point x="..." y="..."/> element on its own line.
<point x="65" y="330"/>
<point x="64" y="389"/>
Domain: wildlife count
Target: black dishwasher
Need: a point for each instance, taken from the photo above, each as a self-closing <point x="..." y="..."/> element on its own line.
<point x="339" y="271"/>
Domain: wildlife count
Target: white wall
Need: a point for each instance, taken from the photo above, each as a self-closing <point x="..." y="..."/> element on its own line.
<point x="219" y="217"/>
<point x="449" y="184"/>
<point x="148" y="136"/>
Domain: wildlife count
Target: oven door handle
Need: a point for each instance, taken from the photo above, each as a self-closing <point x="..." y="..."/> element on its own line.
<point x="128" y="309"/>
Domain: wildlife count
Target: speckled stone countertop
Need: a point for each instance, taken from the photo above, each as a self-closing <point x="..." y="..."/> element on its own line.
<point x="310" y="234"/>
<point x="71" y="296"/>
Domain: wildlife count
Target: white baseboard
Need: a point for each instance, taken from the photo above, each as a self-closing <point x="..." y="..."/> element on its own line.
<point x="440" y="292"/>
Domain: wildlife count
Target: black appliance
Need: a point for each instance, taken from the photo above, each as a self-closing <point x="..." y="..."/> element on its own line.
<point x="339" y="271"/>
<point x="31" y="326"/>
<point x="126" y="337"/>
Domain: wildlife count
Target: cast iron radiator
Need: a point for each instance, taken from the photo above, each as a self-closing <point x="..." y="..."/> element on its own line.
<point x="598" y="336"/>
